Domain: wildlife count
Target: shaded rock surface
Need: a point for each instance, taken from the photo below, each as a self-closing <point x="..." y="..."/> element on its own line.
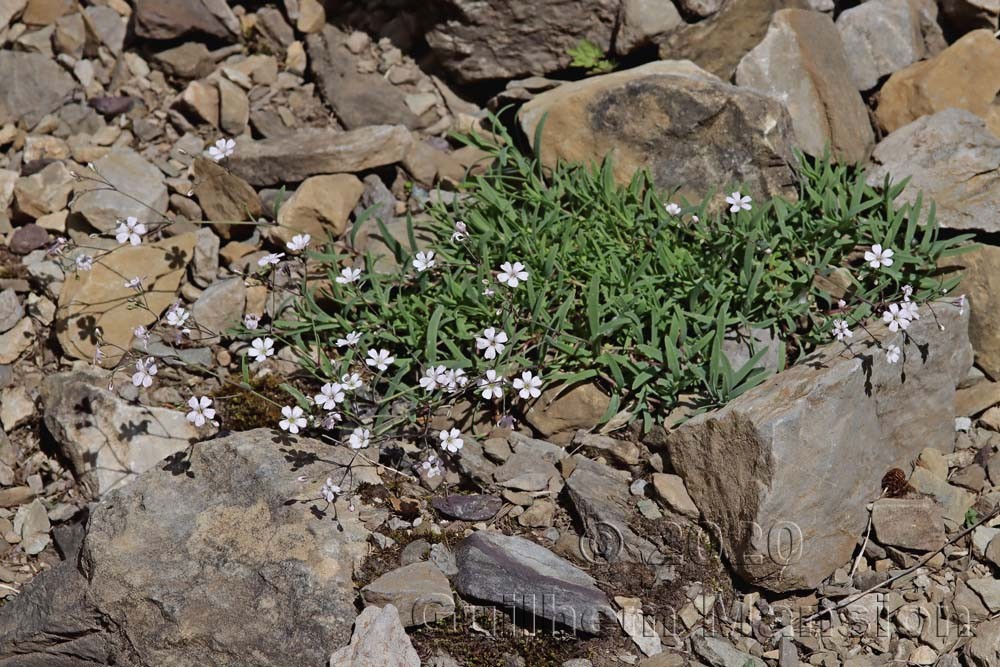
<point x="756" y="467"/>
<point x="981" y="285"/>
<point x="694" y="128"/>
<point x="168" y="20"/>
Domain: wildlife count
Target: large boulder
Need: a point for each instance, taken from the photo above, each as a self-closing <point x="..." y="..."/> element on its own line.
<point x="953" y="159"/>
<point x="227" y="558"/>
<point x="785" y="472"/>
<point x="881" y="37"/>
<point x="801" y="61"/>
<point x="687" y="127"/>
<point x="966" y="75"/>
<point x="31" y="85"/>
<point x="486" y="40"/>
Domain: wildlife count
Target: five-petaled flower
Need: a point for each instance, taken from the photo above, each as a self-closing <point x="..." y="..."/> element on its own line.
<point x="130" y="231"/>
<point x="294" y="419"/>
<point x="329" y="491"/>
<point x="451" y="441"/>
<point x="897" y="318"/>
<point x="351" y="381"/>
<point x="350" y="339"/>
<point x="433" y="377"/>
<point x="528" y="385"/>
<point x="491" y="385"/>
<point x="261" y="348"/>
<point x="201" y="412"/>
<point x="84" y="262"/>
<point x="359" y="438"/>
<point x="145" y="369"/>
<point x="330" y="394"/>
<point x="511" y="275"/>
<point x="673" y="209"/>
<point x="738" y="202"/>
<point x="348" y="275"/>
<point x="492" y="342"/>
<point x="424" y="261"/>
<point x="892" y="354"/>
<point x="430" y="467"/>
<point x="177" y="316"/>
<point x="270" y="259"/>
<point x="841" y="330"/>
<point x="380" y="359"/>
<point x="251" y="321"/>
<point x="878" y="256"/>
<point x="223" y="148"/>
<point x="455" y="379"/>
<point x="298" y="243"/>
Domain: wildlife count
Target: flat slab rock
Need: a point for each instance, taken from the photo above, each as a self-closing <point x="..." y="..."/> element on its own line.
<point x="517" y="574"/>
<point x="475" y="507"/>
<point x="226" y="561"/>
<point x="785" y="471"/>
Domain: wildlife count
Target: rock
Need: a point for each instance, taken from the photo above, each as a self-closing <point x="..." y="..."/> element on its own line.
<point x="988" y="589"/>
<point x="558" y="416"/>
<point x="16" y="407"/>
<point x="908" y="523"/>
<point x="513" y="572"/>
<point x="220" y="521"/>
<point x="880" y="37"/>
<point x="934" y="462"/>
<point x="526" y="471"/>
<point x="32" y="523"/>
<point x="745" y="468"/>
<point x="308" y="152"/>
<point x="27" y="238"/>
<point x="472" y="507"/>
<point x="992" y="551"/>
<point x="358" y="99"/>
<point x="965" y="15"/>
<point x="100" y="299"/>
<point x="234" y="107"/>
<point x="275" y="29"/>
<point x="107" y="441"/>
<point x="44" y="192"/>
<point x="954" y="501"/>
<point x="8" y="10"/>
<point x="419" y="591"/>
<point x="717" y="44"/>
<point x="11" y="310"/>
<point x="225" y="198"/>
<point x="379" y="640"/>
<point x="951" y="158"/>
<point x="141" y="191"/>
<point x="482" y="41"/>
<point x="200" y="99"/>
<point x="296" y="60"/>
<point x="643" y="21"/>
<point x="802" y="62"/>
<point x="220" y="307"/>
<point x="540" y="515"/>
<point x="321" y="206"/>
<point x="702" y="8"/>
<point x="14" y="342"/>
<point x="168" y="20"/>
<point x="31" y="85"/>
<point x="312" y="16"/>
<point x="697" y="130"/>
<point x="717" y="652"/>
<point x="670" y="489"/>
<point x="603" y="503"/>
<point x="622" y="450"/>
<point x="205" y="263"/>
<point x="966" y="75"/>
<point x="981" y="283"/>
<point x="983" y="650"/>
<point x="190" y="60"/>
<point x="108" y="25"/>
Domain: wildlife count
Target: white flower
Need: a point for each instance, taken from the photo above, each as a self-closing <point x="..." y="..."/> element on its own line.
<point x="491" y="386"/>
<point x="461" y="232"/>
<point x="431" y="467"/>
<point x="424" y="261"/>
<point x="177" y="316"/>
<point x="293" y="419"/>
<point x="350" y="339"/>
<point x="270" y="259"/>
<point x="299" y="242"/>
<point x="351" y="381"/>
<point x="134" y="283"/>
<point x="84" y="262"/>
<point x="433" y="377"/>
<point x="380" y="360"/>
<point x="202" y="411"/>
<point x="330" y="395"/>
<point x="451" y="441"/>
<point x="130" y="231"/>
<point x="907" y="292"/>
<point x="896" y="318"/>
<point x="493" y="342"/>
<point x="348" y="275"/>
<point x="878" y="257"/>
<point x="841" y="330"/>
<point x="454" y="379"/>
<point x="488" y="292"/>
<point x="142" y="334"/>
<point x="528" y="385"/>
<point x="223" y="148"/>
<point x="960" y="303"/>
<point x="251" y="321"/>
<point x="673" y="209"/>
<point x="892" y="354"/>
<point x="360" y="438"/>
<point x="694" y="218"/>
<point x="145" y="369"/>
<point x="910" y="309"/>
<point x="261" y="349"/>
<point x="331" y="419"/>
<point x="330" y="491"/>
<point x="738" y="202"/>
<point x="511" y="275"/>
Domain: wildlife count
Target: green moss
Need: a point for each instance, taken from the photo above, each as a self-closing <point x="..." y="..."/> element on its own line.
<point x="243" y="409"/>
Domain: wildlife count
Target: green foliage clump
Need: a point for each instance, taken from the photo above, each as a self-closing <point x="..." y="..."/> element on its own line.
<point x="622" y="292"/>
<point x="589" y="56"/>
